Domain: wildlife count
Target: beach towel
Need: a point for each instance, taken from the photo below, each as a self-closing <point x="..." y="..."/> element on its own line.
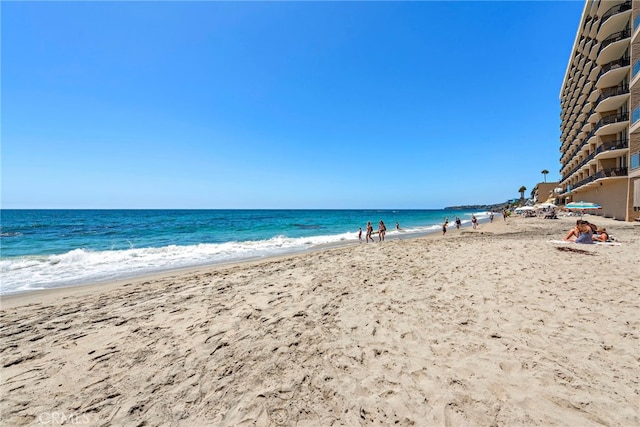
<point x="584" y="244"/>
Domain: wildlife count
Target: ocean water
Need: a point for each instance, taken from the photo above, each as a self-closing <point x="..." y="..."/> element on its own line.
<point x="42" y="249"/>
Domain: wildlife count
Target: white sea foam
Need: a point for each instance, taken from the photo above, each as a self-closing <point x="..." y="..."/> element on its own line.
<point x="81" y="266"/>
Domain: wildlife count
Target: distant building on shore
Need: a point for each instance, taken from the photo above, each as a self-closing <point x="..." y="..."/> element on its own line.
<point x="545" y="192"/>
<point x="600" y="111"/>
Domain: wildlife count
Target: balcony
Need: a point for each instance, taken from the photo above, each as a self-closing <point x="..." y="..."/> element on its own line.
<point x="614" y="46"/>
<point x="611" y="173"/>
<point x="614" y="19"/>
<point x="612" y="123"/>
<point x="581" y="164"/>
<point x="612" y="98"/>
<point x="585" y="181"/>
<point x="612" y="73"/>
<point x="613" y="145"/>
<point x="611" y="150"/>
<point x="615" y="37"/>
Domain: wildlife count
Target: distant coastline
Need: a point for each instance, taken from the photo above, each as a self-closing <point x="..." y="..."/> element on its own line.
<point x="489" y="208"/>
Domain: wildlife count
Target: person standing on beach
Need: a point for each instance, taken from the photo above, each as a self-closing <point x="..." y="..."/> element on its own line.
<point x="474" y="221"/>
<point x="491" y="217"/>
<point x="382" y="229"/>
<point x="369" y="232"/>
<point x="458" y="223"/>
<point x="360" y="234"/>
<point x="504" y="214"/>
<point x="444" y="226"/>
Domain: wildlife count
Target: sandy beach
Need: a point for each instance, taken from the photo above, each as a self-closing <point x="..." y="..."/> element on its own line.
<point x="490" y="327"/>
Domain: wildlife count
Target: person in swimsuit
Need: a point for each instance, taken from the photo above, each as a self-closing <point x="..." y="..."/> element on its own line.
<point x="582" y="233"/>
<point x="369" y="232"/>
<point x="573" y="233"/>
<point x="382" y="230"/>
<point x="601" y="235"/>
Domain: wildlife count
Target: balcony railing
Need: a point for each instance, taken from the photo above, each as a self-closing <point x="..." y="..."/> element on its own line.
<point x="615" y="37"/>
<point x="582" y="163"/>
<point x="612" y="91"/>
<point x="622" y="62"/>
<point x="619" y="8"/>
<point x="604" y="173"/>
<point x="607" y="146"/>
<point x="610" y="172"/>
<point x="612" y="145"/>
<point x="585" y="181"/>
<point x="612" y="118"/>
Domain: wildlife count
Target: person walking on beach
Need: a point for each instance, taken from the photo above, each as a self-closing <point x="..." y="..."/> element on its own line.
<point x="444" y="226"/>
<point x="474" y="221"/>
<point x="382" y="230"/>
<point x="491" y="217"/>
<point x="369" y="232"/>
<point x="458" y="223"/>
<point x="504" y="214"/>
<point x="360" y="234"/>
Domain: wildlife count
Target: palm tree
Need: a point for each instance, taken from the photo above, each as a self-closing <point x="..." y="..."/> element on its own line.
<point x="544" y="172"/>
<point x="521" y="191"/>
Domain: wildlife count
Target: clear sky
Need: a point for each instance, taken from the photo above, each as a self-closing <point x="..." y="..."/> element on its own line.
<point x="280" y="104"/>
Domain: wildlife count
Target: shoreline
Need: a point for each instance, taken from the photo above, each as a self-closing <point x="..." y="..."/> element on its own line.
<point x="86" y="264"/>
<point x="9" y="297"/>
<point x="479" y="327"/>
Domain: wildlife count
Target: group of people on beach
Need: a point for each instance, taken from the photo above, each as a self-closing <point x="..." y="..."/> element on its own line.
<point x="382" y="228"/>
<point x="382" y="231"/>
<point x="585" y="232"/>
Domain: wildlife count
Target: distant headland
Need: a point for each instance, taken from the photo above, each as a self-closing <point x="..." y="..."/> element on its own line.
<point x="496" y="207"/>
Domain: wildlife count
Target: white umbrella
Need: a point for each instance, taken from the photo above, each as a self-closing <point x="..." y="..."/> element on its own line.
<point x="525" y="208"/>
<point x="546" y="205"/>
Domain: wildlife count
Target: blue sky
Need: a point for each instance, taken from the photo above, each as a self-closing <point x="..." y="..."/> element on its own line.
<point x="280" y="104"/>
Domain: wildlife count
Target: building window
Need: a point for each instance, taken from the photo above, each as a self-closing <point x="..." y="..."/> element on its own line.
<point x="635" y="115"/>
<point x="636" y="22"/>
<point x="635" y="160"/>
<point x="636" y="67"/>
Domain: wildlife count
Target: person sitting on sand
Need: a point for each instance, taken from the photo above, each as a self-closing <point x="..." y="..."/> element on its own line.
<point x="601" y="235"/>
<point x="581" y="233"/>
<point x="573" y="233"/>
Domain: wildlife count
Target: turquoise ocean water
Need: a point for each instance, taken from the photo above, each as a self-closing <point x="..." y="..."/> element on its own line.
<point x="42" y="249"/>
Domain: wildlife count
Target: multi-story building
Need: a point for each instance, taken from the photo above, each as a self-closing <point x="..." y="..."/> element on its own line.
<point x="600" y="111"/>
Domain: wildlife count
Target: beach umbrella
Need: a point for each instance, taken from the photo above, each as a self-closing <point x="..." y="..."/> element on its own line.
<point x="524" y="208"/>
<point x="582" y="206"/>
